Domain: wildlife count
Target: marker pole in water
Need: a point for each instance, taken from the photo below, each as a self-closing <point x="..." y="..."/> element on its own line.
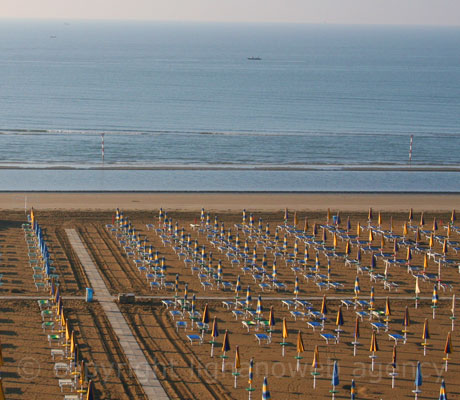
<point x="102" y="146"/>
<point x="410" y="148"/>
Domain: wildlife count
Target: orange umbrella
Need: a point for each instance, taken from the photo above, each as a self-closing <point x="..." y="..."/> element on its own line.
<point x="237" y="364"/>
<point x="373" y="348"/>
<point x="284" y="335"/>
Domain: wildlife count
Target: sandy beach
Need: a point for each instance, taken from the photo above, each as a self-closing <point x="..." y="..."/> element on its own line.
<point x="224" y="202"/>
<point x="186" y="370"/>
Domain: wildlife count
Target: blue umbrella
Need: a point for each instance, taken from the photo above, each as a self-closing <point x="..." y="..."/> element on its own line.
<point x="418" y="380"/>
<point x="335" y="378"/>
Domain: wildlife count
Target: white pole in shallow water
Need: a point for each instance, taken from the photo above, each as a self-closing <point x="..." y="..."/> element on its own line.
<point x="102" y="146"/>
<point x="410" y="148"/>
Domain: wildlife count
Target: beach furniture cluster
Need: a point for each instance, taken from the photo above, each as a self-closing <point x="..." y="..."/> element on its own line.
<point x="69" y="367"/>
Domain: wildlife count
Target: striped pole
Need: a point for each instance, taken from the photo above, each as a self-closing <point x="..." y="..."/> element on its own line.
<point x="410" y="148"/>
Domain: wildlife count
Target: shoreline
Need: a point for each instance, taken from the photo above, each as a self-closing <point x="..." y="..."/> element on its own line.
<point x="230" y="201"/>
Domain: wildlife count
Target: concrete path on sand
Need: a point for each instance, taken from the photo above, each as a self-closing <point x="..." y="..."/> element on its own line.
<point x="137" y="361"/>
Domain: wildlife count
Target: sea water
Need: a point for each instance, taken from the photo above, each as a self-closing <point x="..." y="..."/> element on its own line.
<point x="175" y="96"/>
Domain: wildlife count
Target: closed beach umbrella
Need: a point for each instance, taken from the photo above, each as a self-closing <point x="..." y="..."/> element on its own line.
<point x="324" y="306"/>
<point x="295" y="219"/>
<point x="300" y="349"/>
<point x="447" y="349"/>
<point x="434" y="300"/>
<point x="393" y="365"/>
<point x="418" y="379"/>
<point x="405" y="229"/>
<point x="238" y="287"/>
<point x="348" y="248"/>
<point x="284" y="335"/>
<point x="286" y="215"/>
<point x="296" y="286"/>
<point x="251" y="371"/>
<point x="356" y="335"/>
<point x="353" y="390"/>
<point x="373" y="348"/>
<point x="425" y="335"/>
<point x="315" y="365"/>
<point x="358" y="230"/>
<point x="248" y="297"/>
<point x="339" y="318"/>
<point x="237" y="365"/>
<point x="305" y="226"/>
<point x="387" y="307"/>
<point x="214" y="334"/>
<point x="406" y="321"/>
<point x="265" y="391"/>
<point x="435" y="225"/>
<point x="422" y="219"/>
<point x="369" y="215"/>
<point x="442" y="391"/>
<point x="372" y="299"/>
<point x="271" y="321"/>
<point x="348" y="224"/>
<point x="371" y="235"/>
<point x="205" y="317"/>
<point x="411" y="214"/>
<point x="259" y="306"/>
<point x="379" y="219"/>
<point x="357" y="288"/>
<point x="225" y="348"/>
<point x="335" y="378"/>
<point x="90" y="393"/>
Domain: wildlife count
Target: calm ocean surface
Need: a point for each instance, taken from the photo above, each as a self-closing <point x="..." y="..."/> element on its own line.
<point x="175" y="95"/>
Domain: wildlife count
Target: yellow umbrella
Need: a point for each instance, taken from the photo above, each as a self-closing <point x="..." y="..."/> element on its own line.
<point x="453" y="218"/>
<point x="300" y="349"/>
<point x="335" y="240"/>
<point x="284" y="335"/>
<point x="358" y="229"/>
<point x="405" y="229"/>
<point x="237" y="364"/>
<point x="90" y="392"/>
<point x="315" y="365"/>
<point x="371" y="235"/>
<point x="373" y="348"/>
<point x="380" y="219"/>
<point x="32" y="216"/>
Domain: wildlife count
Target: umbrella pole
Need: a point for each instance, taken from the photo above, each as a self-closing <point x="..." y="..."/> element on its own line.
<point x="212" y="350"/>
<point x="333" y="392"/>
<point x="354" y="349"/>
<point x="223" y="362"/>
<point x="447" y="360"/>
<point x="250" y="391"/>
<point x="314" y="379"/>
<point x="235" y="378"/>
<point x="282" y="352"/>
<point x="393" y="379"/>
<point x="424" y="348"/>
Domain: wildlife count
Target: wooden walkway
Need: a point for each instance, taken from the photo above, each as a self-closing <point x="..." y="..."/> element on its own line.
<point x="137" y="361"/>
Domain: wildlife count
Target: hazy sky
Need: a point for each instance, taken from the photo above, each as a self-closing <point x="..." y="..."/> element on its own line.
<point x="423" y="12"/>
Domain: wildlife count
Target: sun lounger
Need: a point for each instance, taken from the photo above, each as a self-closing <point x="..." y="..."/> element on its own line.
<point x="314" y="324"/>
<point x="52" y="338"/>
<point x="262" y="336"/>
<point x="328" y="336"/>
<point x="264" y="286"/>
<point x="237" y="313"/>
<point x="67" y="382"/>
<point x="181" y="324"/>
<point x="248" y="324"/>
<point x="378" y="325"/>
<point x="298" y="314"/>
<point x="176" y="313"/>
<point x="60" y="368"/>
<point x="348" y="303"/>
<point x="229" y="304"/>
<point x="396" y="337"/>
<point x="57" y="353"/>
<point x="288" y="303"/>
<point x="194" y="338"/>
<point x="362" y="314"/>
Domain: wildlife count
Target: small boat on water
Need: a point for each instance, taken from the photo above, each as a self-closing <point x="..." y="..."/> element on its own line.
<point x="254" y="58"/>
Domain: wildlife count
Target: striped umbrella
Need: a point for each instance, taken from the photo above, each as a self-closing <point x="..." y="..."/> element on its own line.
<point x="274" y="274"/>
<point x="205" y="317"/>
<point x="300" y="349"/>
<point x="259" y="309"/>
<point x="286" y="215"/>
<point x="353" y="390"/>
<point x="315" y="365"/>
<point x="393" y="365"/>
<point x="214" y="334"/>
<point x="317" y="262"/>
<point x="355" y="336"/>
<point x="265" y="391"/>
<point x="447" y="349"/>
<point x="357" y="288"/>
<point x="425" y="336"/>
<point x="250" y="378"/>
<point x="372" y="299"/>
<point x="248" y="297"/>
<point x="237" y="288"/>
<point x="434" y="300"/>
<point x="335" y="378"/>
<point x="347" y="248"/>
<point x="442" y="391"/>
<point x="225" y="348"/>
<point x="418" y="380"/>
<point x="373" y="348"/>
<point x="296" y="286"/>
